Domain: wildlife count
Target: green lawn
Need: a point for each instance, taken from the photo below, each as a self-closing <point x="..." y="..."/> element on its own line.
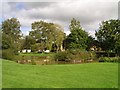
<point x="0" y="73"/>
<point x="91" y="75"/>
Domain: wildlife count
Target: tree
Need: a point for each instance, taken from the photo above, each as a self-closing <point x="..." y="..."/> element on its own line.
<point x="108" y="35"/>
<point x="117" y="46"/>
<point x="11" y="27"/>
<point x="11" y="34"/>
<point x="27" y="42"/>
<point x="91" y="42"/>
<point x="58" y="37"/>
<point x="77" y="39"/>
<point x="47" y="34"/>
<point x="6" y="43"/>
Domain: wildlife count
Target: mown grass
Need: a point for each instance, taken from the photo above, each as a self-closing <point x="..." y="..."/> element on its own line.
<point x="0" y="73"/>
<point x="91" y="75"/>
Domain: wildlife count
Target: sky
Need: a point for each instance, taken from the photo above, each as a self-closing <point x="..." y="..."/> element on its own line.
<point x="89" y="13"/>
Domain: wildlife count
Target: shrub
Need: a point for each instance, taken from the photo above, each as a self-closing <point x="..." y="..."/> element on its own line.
<point x="0" y="53"/>
<point x="8" y="54"/>
<point x="74" y="55"/>
<point x="62" y="56"/>
<point x="109" y="59"/>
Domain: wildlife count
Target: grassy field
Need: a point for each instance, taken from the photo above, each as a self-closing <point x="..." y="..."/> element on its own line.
<point x="91" y="75"/>
<point x="0" y="73"/>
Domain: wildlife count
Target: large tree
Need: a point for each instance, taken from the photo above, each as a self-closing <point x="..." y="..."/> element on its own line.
<point x="11" y="33"/>
<point x="47" y="34"/>
<point x="108" y="35"/>
<point x="78" y="38"/>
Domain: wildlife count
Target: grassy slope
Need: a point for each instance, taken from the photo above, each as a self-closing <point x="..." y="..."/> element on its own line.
<point x="94" y="75"/>
<point x="0" y="73"/>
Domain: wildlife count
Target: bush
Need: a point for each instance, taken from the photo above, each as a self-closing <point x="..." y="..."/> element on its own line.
<point x="109" y="59"/>
<point x="62" y="56"/>
<point x="8" y="54"/>
<point x="74" y="55"/>
<point x="0" y="53"/>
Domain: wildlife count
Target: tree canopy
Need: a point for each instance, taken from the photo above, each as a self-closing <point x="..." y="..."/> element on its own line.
<point x="47" y="34"/>
<point x="78" y="37"/>
<point x="51" y="36"/>
<point x="11" y="33"/>
<point x="108" y="35"/>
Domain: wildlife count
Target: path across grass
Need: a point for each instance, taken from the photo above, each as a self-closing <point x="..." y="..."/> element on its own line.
<point x="91" y="75"/>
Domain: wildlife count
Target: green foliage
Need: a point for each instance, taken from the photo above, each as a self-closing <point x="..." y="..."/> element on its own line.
<point x="8" y="54"/>
<point x="27" y="43"/>
<point x="11" y="27"/>
<point x="75" y="55"/>
<point x="37" y="54"/>
<point x="11" y="35"/>
<point x="91" y="42"/>
<point x="37" y="46"/>
<point x="6" y="42"/>
<point x="109" y="59"/>
<point x="11" y="32"/>
<point x="117" y="46"/>
<point x="47" y="34"/>
<point x="78" y="37"/>
<point x="0" y="53"/>
<point x="109" y="35"/>
<point x="63" y="56"/>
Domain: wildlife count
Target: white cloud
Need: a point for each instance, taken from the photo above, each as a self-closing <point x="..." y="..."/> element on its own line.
<point x="67" y="32"/>
<point x="89" y="13"/>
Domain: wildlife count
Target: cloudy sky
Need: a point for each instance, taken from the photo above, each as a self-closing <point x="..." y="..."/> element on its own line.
<point x="89" y="13"/>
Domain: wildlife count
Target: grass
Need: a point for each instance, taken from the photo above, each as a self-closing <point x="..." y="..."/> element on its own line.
<point x="91" y="75"/>
<point x="36" y="54"/>
<point x="0" y="73"/>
